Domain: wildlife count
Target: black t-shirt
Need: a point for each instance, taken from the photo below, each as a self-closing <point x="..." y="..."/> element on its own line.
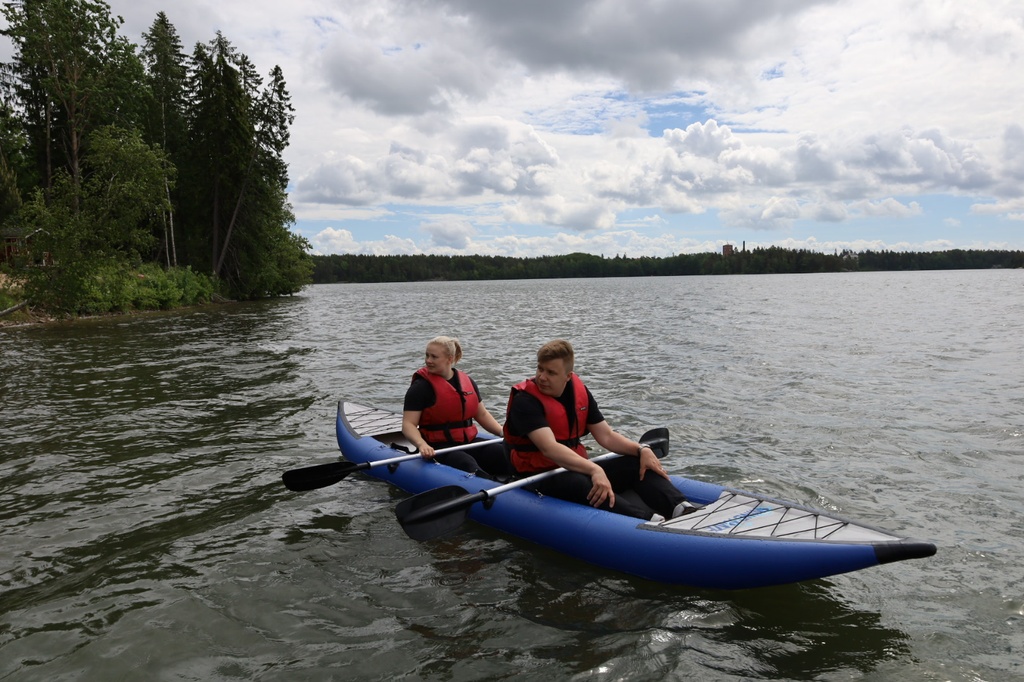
<point x="420" y="394"/>
<point x="526" y="413"/>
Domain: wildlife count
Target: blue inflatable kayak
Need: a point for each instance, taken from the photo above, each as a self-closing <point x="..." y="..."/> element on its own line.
<point x="736" y="539"/>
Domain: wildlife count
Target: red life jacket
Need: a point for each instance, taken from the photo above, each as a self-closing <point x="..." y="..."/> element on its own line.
<point x="526" y="457"/>
<point x="450" y="418"/>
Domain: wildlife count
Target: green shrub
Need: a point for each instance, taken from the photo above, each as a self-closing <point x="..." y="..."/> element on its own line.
<point x="8" y="298"/>
<point x="195" y="288"/>
<point x="155" y="287"/>
<point x="10" y="289"/>
<point x="116" y="287"/>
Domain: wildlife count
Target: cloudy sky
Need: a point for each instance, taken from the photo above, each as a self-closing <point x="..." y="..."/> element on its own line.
<point x="639" y="127"/>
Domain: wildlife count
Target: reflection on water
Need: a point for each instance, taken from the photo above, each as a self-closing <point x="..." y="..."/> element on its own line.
<point x="146" y="534"/>
<point x="598" y="623"/>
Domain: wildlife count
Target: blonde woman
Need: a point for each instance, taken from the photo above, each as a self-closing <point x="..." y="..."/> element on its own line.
<point x="441" y="406"/>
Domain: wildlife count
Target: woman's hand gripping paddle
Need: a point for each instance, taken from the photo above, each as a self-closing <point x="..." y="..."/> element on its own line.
<point x="323" y="475"/>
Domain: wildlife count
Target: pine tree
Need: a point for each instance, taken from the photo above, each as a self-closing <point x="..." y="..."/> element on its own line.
<point x="220" y="140"/>
<point x="166" y="71"/>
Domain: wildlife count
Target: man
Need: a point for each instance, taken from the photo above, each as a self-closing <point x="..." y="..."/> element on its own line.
<point x="545" y="420"/>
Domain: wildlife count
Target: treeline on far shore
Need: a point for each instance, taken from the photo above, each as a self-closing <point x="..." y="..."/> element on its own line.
<point x="759" y="261"/>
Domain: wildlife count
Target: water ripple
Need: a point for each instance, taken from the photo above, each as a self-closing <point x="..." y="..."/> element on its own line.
<point x="147" y="535"/>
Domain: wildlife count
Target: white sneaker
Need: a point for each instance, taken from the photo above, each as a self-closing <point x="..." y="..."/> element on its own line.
<point x="657" y="518"/>
<point x="682" y="509"/>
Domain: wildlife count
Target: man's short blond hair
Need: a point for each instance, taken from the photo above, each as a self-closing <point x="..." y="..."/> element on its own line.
<point x="559" y="349"/>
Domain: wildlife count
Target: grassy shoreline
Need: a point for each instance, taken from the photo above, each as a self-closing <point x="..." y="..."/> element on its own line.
<point x="106" y="293"/>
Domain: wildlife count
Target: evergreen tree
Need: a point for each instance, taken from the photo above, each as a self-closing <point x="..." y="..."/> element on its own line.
<point x="265" y="258"/>
<point x="220" y="143"/>
<point x="166" y="71"/>
<point x="11" y="161"/>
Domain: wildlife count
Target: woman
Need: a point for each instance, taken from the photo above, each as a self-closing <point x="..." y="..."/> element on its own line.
<point x="440" y="407"/>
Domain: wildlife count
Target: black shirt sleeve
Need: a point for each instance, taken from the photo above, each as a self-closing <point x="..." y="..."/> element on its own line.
<point x="593" y="411"/>
<point x="419" y="396"/>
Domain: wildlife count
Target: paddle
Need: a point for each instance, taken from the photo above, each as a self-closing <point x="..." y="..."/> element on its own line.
<point x="441" y="511"/>
<point x="323" y="475"/>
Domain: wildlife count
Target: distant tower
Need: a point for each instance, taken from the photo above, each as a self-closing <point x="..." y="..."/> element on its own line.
<point x="727" y="250"/>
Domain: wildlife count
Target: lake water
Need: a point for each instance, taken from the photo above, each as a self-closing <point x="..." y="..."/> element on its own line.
<point x="146" y="534"/>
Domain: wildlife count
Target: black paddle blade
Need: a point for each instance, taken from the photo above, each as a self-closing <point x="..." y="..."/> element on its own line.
<point x="435" y="513"/>
<point x="319" y="476"/>
<point x="657" y="439"/>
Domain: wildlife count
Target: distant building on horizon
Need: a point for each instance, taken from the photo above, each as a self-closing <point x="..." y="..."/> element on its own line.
<point x="727" y="250"/>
